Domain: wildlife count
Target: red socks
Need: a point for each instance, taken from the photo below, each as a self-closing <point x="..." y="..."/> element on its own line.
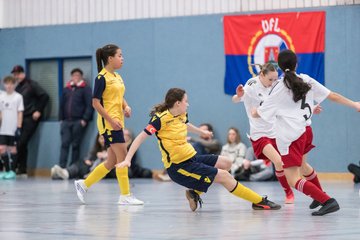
<point x="310" y="189"/>
<point x="314" y="179"/>
<point x="283" y="182"/>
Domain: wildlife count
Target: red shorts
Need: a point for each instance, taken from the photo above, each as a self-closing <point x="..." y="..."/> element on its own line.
<point x="259" y="146"/>
<point x="298" y="149"/>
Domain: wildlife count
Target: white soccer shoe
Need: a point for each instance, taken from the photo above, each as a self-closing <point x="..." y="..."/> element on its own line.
<point x="81" y="190"/>
<point x="129" y="200"/>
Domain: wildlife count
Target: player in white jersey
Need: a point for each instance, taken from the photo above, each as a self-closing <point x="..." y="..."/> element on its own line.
<point x="289" y="105"/>
<point x="11" y="108"/>
<point x="262" y="133"/>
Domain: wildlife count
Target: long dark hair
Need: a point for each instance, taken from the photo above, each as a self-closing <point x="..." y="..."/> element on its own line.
<point x="172" y="96"/>
<point x="103" y="54"/>
<point x="287" y="61"/>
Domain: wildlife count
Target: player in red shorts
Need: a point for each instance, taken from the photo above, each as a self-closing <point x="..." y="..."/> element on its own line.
<point x="289" y="106"/>
<point x="262" y="133"/>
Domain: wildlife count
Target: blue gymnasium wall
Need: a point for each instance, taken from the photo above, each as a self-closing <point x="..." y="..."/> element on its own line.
<point x="188" y="52"/>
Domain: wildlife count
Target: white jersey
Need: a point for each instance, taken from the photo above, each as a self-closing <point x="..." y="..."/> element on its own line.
<point x="254" y="96"/>
<point x="10" y="105"/>
<point x="291" y="118"/>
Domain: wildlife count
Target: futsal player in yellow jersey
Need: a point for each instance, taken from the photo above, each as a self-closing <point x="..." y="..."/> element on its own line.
<point x="109" y="102"/>
<point x="169" y="122"/>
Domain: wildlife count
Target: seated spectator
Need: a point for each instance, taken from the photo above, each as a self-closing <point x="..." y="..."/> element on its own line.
<point x="81" y="168"/>
<point x="234" y="149"/>
<point x="98" y="154"/>
<point x="254" y="169"/>
<point x="355" y="169"/>
<point x="203" y="144"/>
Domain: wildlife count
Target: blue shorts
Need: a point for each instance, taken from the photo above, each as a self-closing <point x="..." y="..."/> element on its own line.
<point x="197" y="173"/>
<point x="113" y="136"/>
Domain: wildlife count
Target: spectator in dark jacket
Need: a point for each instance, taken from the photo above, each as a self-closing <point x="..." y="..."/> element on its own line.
<point x="75" y="113"/>
<point x="35" y="101"/>
<point x="205" y="144"/>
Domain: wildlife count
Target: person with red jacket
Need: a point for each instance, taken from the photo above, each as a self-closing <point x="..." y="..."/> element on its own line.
<point x="75" y="113"/>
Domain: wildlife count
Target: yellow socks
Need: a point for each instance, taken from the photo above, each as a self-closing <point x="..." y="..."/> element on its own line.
<point x="96" y="175"/>
<point x="246" y="193"/>
<point x="123" y="180"/>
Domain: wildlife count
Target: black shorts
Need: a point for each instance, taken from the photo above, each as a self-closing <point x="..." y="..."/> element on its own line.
<point x="113" y="136"/>
<point x="197" y="173"/>
<point x="7" y="140"/>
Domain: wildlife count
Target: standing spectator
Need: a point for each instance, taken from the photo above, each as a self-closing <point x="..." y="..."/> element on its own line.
<point x="234" y="149"/>
<point x="11" y="109"/>
<point x="205" y="144"/>
<point x="35" y="101"/>
<point x="75" y="113"/>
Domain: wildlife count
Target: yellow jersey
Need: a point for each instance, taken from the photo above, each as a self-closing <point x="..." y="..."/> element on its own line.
<point x="171" y="132"/>
<point x="109" y="89"/>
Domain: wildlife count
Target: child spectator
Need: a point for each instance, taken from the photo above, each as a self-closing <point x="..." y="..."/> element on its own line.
<point x="11" y="107"/>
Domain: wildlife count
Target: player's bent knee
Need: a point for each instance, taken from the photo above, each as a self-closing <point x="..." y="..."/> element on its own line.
<point x="222" y="176"/>
<point x="224" y="163"/>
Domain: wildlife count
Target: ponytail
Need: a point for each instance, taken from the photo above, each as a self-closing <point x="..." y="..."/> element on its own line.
<point x="98" y="59"/>
<point x="161" y="107"/>
<point x="103" y="54"/>
<point x="298" y="87"/>
<point x="172" y="96"/>
<point x="287" y="61"/>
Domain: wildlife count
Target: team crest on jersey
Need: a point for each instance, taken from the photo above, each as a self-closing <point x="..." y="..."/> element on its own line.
<point x="266" y="44"/>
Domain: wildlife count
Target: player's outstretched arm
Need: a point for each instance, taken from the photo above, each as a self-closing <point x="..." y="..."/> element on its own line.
<point x="338" y="98"/>
<point x="198" y="131"/>
<point x="133" y="148"/>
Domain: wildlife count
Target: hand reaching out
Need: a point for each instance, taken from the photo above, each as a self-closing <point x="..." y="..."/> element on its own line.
<point x="127" y="111"/>
<point x="125" y="163"/>
<point x="240" y="90"/>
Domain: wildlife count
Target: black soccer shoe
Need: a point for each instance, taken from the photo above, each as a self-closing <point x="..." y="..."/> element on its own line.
<point x="193" y="199"/>
<point x="265" y="204"/>
<point x="329" y="206"/>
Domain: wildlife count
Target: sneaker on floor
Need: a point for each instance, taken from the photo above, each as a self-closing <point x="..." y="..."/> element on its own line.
<point x="329" y="206"/>
<point x="289" y="199"/>
<point x="265" y="204"/>
<point x="314" y="204"/>
<point x="81" y="190"/>
<point x="354" y="169"/>
<point x="61" y="172"/>
<point x="10" y="175"/>
<point x="53" y="173"/>
<point x="129" y="200"/>
<point x="193" y="199"/>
